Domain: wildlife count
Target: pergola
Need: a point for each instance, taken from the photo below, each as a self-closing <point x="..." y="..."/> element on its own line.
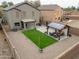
<point x="58" y="27"/>
<point x="28" y="23"/>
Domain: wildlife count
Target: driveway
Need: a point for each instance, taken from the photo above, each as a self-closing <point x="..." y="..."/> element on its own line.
<point x="28" y="50"/>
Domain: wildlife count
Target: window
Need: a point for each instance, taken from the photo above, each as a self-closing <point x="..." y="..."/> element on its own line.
<point x="17" y="24"/>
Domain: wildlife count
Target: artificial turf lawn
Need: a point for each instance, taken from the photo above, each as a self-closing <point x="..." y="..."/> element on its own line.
<point x="39" y="38"/>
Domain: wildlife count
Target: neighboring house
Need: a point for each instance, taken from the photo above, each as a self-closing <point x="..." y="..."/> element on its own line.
<point x="17" y="15"/>
<point x="74" y="15"/>
<point x="51" y="13"/>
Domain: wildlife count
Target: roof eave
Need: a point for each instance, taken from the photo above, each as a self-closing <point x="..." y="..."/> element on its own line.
<point x="20" y="5"/>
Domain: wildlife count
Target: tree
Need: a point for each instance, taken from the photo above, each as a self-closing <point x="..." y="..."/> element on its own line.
<point x="10" y="3"/>
<point x="1" y="12"/>
<point x="78" y="8"/>
<point x="35" y="3"/>
<point x="70" y="8"/>
<point x="6" y="4"/>
<point x="73" y="8"/>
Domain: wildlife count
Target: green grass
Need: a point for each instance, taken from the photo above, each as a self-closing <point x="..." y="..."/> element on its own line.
<point x="40" y="39"/>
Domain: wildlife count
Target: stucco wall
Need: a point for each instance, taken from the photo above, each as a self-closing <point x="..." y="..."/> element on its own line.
<point x="11" y="18"/>
<point x="52" y="15"/>
<point x="29" y="11"/>
<point x="11" y="15"/>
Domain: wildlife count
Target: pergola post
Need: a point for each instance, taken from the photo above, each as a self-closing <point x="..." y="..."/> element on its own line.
<point x="35" y="24"/>
<point x="47" y="29"/>
<point x="68" y="32"/>
<point x="24" y="25"/>
<point x="58" y="34"/>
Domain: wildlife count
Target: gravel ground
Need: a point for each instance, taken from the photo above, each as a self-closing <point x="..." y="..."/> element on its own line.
<point x="4" y="48"/>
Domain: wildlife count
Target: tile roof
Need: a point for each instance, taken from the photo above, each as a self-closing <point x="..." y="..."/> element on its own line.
<point x="19" y="4"/>
<point x="48" y="7"/>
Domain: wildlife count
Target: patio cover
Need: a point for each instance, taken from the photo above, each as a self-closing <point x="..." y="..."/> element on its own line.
<point x="56" y="26"/>
<point x="28" y="20"/>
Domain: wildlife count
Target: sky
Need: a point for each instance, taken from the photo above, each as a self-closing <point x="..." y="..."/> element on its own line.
<point x="62" y="3"/>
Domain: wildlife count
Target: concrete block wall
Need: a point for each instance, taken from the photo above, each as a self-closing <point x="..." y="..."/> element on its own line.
<point x="74" y="31"/>
<point x="12" y="48"/>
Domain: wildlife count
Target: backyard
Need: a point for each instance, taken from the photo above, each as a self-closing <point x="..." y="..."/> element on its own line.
<point x="40" y="39"/>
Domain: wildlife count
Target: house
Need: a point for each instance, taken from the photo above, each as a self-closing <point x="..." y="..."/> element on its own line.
<point x="22" y="15"/>
<point x="74" y="15"/>
<point x="51" y="13"/>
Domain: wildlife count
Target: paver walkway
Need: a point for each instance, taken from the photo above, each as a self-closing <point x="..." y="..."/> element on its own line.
<point x="28" y="50"/>
<point x="4" y="48"/>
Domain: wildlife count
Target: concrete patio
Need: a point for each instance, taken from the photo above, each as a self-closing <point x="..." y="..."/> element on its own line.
<point x="43" y="29"/>
<point x="28" y="50"/>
